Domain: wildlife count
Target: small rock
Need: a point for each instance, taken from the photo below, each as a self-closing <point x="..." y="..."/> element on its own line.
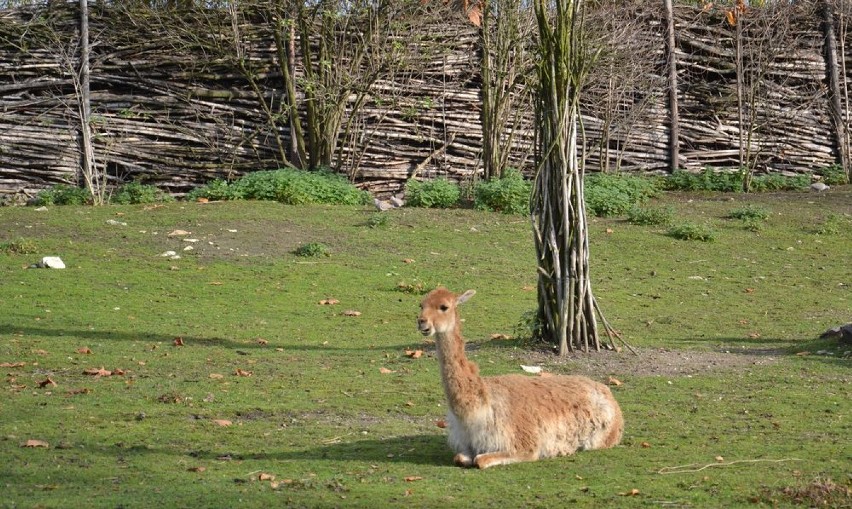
<point x="168" y="253"/>
<point x="116" y="223"/>
<point x="41" y="209"/>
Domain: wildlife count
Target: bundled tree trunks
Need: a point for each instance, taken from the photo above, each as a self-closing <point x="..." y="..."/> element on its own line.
<point x="178" y="100"/>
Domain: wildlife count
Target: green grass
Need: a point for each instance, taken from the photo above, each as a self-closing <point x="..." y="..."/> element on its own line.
<point x="718" y="326"/>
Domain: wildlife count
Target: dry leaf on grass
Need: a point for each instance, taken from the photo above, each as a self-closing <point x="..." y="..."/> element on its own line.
<point x="98" y="372"/>
<point x="615" y="382"/>
<point x="263" y="476"/>
<point x="441" y="423"/>
<point x="632" y="493"/>
<point x="178" y="342"/>
<point x="414" y="354"/>
<point x="386" y="371"/>
<point x="47" y="381"/>
<point x="178" y="233"/>
<point x="216" y="376"/>
<point x="75" y="392"/>
<point x="242" y="372"/>
<point x="328" y="302"/>
<point x="645" y="445"/>
<point x="222" y="422"/>
<point x="41" y="352"/>
<point x="408" y="260"/>
<point x="196" y="469"/>
<point x="12" y="364"/>
<point x="412" y="478"/>
<point x="351" y="312"/>
<point x="500" y="337"/>
<point x="262" y="342"/>
<point x="36" y="443"/>
<point x="85" y="351"/>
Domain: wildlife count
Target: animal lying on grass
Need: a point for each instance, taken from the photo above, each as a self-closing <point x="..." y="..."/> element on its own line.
<point x="508" y="419"/>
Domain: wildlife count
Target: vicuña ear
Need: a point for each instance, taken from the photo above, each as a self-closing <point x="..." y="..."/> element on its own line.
<point x="461" y="299"/>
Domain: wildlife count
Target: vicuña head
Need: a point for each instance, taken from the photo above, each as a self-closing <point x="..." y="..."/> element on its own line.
<point x="511" y="418"/>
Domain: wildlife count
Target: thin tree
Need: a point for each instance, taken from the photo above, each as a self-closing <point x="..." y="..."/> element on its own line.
<point x="567" y="309"/>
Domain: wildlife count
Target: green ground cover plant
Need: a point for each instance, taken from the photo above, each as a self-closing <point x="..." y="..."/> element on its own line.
<point x="243" y="375"/>
<point x="437" y="193"/>
<point x="509" y="194"/>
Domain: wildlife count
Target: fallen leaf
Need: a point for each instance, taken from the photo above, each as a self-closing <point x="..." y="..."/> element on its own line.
<point x="117" y="372"/>
<point x="40" y="352"/>
<point x="178" y="341"/>
<point x="216" y="376"/>
<point x="215" y="283"/>
<point x="12" y="365"/>
<point x="262" y="342"/>
<point x="97" y="372"/>
<point x="631" y="493"/>
<point x="528" y="288"/>
<point x="242" y="372"/>
<point x="328" y="302"/>
<point x="802" y="354"/>
<point x="749" y="290"/>
<point x="386" y="371"/>
<point x="414" y="354"/>
<point x="85" y="351"/>
<point x="222" y="422"/>
<point x="645" y="445"/>
<point x="408" y="260"/>
<point x="75" y="392"/>
<point x="609" y="230"/>
<point x="178" y="233"/>
<point x="197" y="469"/>
<point x="754" y="335"/>
<point x="407" y="493"/>
<point x="412" y="478"/>
<point x="719" y="459"/>
<point x="500" y="337"/>
<point x="47" y="381"/>
<point x="351" y="312"/>
<point x="409" y="403"/>
<point x="441" y="423"/>
<point x="201" y="200"/>
<point x="263" y="476"/>
<point x="36" y="443"/>
<point x="615" y="381"/>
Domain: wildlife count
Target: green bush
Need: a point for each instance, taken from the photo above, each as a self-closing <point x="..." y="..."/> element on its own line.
<point x="650" y="216"/>
<point x="731" y="182"/>
<point x="289" y="186"/>
<point x="615" y="195"/>
<point x="134" y="193"/>
<point x="378" y="220"/>
<point x="63" y="194"/>
<point x="692" y="231"/>
<point x="215" y="190"/>
<point x="834" y="175"/>
<point x="509" y="194"/>
<point x="437" y="193"/>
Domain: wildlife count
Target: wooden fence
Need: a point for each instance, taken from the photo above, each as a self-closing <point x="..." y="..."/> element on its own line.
<point x="176" y="116"/>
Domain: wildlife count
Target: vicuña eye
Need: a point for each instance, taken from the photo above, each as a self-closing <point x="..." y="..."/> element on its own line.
<point x="444" y="307"/>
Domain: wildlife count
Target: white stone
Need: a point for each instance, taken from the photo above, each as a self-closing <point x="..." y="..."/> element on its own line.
<point x="52" y="262"/>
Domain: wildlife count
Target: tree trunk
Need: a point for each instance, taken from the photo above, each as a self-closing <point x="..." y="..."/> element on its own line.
<point x="834" y="93"/>
<point x="674" y="112"/>
<point x="87" y="152"/>
<point x="566" y="305"/>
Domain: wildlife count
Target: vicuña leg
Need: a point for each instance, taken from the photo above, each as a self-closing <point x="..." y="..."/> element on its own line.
<point x="492" y="459"/>
<point x="463" y="460"/>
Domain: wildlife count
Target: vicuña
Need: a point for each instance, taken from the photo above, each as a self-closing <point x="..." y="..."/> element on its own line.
<point x="507" y="419"/>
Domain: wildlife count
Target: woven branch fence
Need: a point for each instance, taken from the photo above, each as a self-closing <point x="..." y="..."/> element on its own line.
<point x="169" y="111"/>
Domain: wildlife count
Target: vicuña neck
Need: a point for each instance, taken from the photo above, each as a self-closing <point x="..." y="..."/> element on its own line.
<point x="465" y="390"/>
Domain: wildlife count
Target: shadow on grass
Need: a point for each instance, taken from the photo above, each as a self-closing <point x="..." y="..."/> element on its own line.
<point x="219" y="342"/>
<point x="412" y="449"/>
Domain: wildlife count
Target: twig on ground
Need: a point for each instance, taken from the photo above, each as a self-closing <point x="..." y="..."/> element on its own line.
<point x="686" y="469"/>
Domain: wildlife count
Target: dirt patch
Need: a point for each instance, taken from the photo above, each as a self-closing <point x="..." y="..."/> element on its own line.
<point x="652" y="361"/>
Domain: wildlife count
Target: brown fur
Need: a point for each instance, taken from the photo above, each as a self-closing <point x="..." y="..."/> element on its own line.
<point x="506" y="419"/>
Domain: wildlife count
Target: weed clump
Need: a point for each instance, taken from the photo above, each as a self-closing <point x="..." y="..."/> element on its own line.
<point x="378" y="220"/>
<point x="692" y="231"/>
<point x="711" y="180"/>
<point x="19" y="246"/>
<point x="134" y="193"/>
<point x="438" y="193"/>
<point x="312" y="250"/>
<point x="650" y="216"/>
<point x="750" y="213"/>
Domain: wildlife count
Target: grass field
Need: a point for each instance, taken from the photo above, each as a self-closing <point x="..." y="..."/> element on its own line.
<point x="218" y="379"/>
